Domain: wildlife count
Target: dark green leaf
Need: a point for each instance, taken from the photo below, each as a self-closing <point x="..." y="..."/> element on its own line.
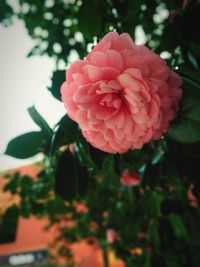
<point x="192" y="60"/>
<point x="25" y="186"/>
<point x="57" y="79"/>
<point x="5" y="13"/>
<point x="25" y="145"/>
<point x="40" y="121"/>
<point x="8" y="225"/>
<point x="185" y="131"/>
<point x="66" y="133"/>
<point x="185" y="158"/>
<point x="25" y="208"/>
<point x="13" y="183"/>
<point x="190" y="74"/>
<point x="71" y="179"/>
<point x="154" y="201"/>
<point x="186" y="128"/>
<point x="90" y="18"/>
<point x="97" y="155"/>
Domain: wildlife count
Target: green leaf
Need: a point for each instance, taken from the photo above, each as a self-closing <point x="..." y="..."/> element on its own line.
<point x="8" y="225"/>
<point x="6" y="13"/>
<point x="57" y="79"/>
<point x="195" y="48"/>
<point x="186" y="128"/>
<point x="71" y="179"/>
<point x="40" y="121"/>
<point x="192" y="59"/>
<point x="190" y="73"/>
<point x="25" y="208"/>
<point x="97" y="156"/>
<point x="66" y="133"/>
<point x="13" y="183"/>
<point x="178" y="226"/>
<point x="154" y="202"/>
<point x="25" y="186"/>
<point x="25" y="145"/>
<point x="90" y="18"/>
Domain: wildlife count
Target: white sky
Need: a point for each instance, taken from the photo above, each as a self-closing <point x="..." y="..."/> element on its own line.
<point x="23" y="82"/>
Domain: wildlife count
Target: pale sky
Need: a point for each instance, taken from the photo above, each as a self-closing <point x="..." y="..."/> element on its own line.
<point x="23" y="83"/>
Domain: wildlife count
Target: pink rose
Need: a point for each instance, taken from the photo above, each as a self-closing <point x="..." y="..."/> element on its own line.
<point x="137" y="251"/>
<point x="130" y="178"/>
<point x="122" y="95"/>
<point x="111" y="236"/>
<point x="81" y="207"/>
<point x="142" y="235"/>
<point x="191" y="197"/>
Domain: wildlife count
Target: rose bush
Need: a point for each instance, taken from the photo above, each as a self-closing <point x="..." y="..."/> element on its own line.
<point x="157" y="223"/>
<point x="122" y="95"/>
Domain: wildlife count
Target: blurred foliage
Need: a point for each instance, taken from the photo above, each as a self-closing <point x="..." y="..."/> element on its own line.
<point x="161" y="216"/>
<point x="65" y="26"/>
<point x="6" y="13"/>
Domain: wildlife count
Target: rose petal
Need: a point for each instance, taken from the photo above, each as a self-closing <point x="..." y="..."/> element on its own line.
<point x="75" y="68"/>
<point x="115" y="60"/>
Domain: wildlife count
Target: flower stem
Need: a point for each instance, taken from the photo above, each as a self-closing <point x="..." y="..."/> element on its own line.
<point x="105" y="256"/>
<point x="117" y="163"/>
